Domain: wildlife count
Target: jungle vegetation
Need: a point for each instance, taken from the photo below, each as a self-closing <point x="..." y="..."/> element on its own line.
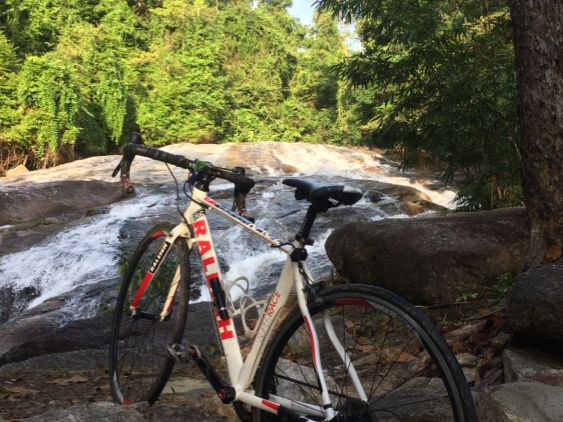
<point x="433" y="79"/>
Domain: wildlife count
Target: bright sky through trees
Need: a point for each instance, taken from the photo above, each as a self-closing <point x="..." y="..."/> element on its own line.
<point x="303" y="10"/>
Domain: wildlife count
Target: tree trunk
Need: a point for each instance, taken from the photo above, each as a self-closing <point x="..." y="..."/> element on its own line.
<point x="538" y="43"/>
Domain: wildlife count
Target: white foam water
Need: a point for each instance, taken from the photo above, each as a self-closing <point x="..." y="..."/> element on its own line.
<point x="333" y="161"/>
<point x="79" y="255"/>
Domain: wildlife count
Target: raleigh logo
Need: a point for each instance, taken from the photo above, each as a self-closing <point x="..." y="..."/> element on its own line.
<point x="211" y="268"/>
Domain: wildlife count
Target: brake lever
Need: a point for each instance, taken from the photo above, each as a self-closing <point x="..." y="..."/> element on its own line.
<point x="117" y="168"/>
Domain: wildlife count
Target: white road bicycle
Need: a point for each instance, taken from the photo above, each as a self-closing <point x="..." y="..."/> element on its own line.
<point x="351" y="352"/>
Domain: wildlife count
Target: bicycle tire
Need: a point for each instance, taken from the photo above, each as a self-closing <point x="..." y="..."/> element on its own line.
<point x="402" y="377"/>
<point x="139" y="362"/>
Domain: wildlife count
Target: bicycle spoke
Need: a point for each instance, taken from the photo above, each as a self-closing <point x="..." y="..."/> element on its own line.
<point x="303" y="376"/>
<point x="293" y="380"/>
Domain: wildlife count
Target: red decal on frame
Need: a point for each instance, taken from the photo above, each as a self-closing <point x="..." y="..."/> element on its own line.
<point x="200" y="227"/>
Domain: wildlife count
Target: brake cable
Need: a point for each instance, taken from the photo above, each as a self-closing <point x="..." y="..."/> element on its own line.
<point x="178" y="198"/>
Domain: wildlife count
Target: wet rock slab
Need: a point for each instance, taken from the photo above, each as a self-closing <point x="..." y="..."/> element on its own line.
<point x="40" y="200"/>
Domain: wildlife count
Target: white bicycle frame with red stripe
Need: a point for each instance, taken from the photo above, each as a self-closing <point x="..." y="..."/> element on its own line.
<point x="295" y="273"/>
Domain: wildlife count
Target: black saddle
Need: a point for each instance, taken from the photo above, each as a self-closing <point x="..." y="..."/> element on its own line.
<point x="320" y="194"/>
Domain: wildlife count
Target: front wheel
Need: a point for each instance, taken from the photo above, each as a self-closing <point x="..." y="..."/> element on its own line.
<point x="140" y="364"/>
<point x="382" y="360"/>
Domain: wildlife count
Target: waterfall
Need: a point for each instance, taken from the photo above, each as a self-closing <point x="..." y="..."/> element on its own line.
<point x="86" y="252"/>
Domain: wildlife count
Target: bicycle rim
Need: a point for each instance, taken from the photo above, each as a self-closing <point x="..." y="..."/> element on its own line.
<point x="140" y="364"/>
<point x="405" y="369"/>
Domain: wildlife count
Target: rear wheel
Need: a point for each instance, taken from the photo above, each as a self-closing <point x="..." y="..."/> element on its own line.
<point x="404" y="370"/>
<point x="140" y="364"/>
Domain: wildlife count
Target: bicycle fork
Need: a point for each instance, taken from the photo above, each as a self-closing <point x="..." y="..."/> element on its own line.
<point x="315" y="349"/>
<point x="330" y="414"/>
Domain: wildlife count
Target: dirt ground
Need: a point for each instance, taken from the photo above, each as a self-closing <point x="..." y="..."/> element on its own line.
<point x="59" y="381"/>
<point x="51" y="382"/>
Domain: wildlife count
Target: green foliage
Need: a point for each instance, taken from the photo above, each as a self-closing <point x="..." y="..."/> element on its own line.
<point x="438" y="77"/>
<point x="49" y="98"/>
<point x="434" y="76"/>
<point x="503" y="284"/>
<point x="8" y="84"/>
<point x="78" y="75"/>
<point x="181" y="95"/>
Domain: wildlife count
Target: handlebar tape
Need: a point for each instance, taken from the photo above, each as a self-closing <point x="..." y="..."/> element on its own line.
<point x="242" y="183"/>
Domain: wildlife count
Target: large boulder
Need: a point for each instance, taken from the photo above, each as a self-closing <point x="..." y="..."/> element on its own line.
<point x="530" y="401"/>
<point x="432" y="260"/>
<point x="40" y="200"/>
<point x="40" y="332"/>
<point x="535" y="306"/>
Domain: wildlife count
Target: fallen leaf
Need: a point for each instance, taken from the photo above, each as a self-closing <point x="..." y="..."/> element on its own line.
<point x="20" y="390"/>
<point x="389" y="355"/>
<point x="553" y="253"/>
<point x="457" y="346"/>
<point x="368" y="348"/>
<point x="464" y="332"/>
<point x="75" y="379"/>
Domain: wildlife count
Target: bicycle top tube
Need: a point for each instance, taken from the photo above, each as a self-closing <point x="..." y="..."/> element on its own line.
<point x="240" y="220"/>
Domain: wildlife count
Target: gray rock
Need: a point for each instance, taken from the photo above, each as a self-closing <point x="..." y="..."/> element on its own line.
<point x="210" y="411"/>
<point x="418" y="392"/>
<point x="14" y="301"/>
<point x="466" y="359"/>
<point x="48" y="327"/>
<point x="470" y="374"/>
<point x="40" y="200"/>
<point x="294" y="371"/>
<point x="486" y="409"/>
<point x="42" y="335"/>
<point x="92" y="412"/>
<point x="530" y="402"/>
<point x="533" y="366"/>
<point x="432" y="260"/>
<point x="535" y="311"/>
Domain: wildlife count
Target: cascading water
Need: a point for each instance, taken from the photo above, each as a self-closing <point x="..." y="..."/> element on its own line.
<point x="81" y="254"/>
<point x="87" y="252"/>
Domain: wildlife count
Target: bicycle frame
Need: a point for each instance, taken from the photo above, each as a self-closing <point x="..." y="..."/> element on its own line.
<point x="196" y="231"/>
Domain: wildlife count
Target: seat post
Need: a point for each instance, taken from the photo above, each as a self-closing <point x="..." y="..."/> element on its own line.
<point x="305" y="230"/>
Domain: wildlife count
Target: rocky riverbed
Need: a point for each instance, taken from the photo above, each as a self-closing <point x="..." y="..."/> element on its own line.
<point x="71" y="382"/>
<point x="65" y="232"/>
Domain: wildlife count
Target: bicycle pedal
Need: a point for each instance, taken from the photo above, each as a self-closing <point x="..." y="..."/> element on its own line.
<point x="182" y="353"/>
